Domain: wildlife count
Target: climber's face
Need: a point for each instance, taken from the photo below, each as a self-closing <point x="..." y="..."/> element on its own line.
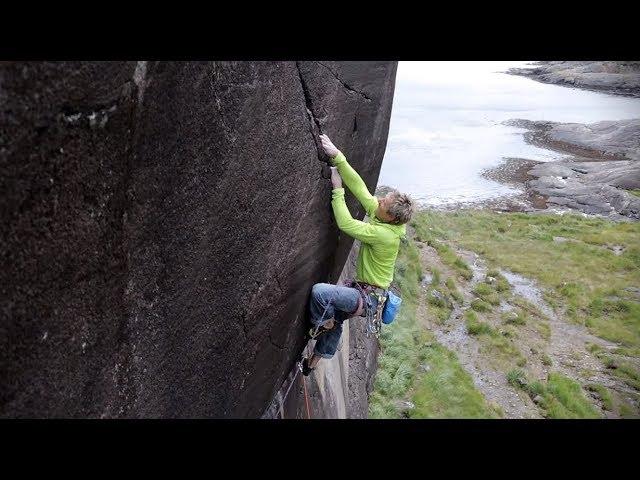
<point x="383" y="208"/>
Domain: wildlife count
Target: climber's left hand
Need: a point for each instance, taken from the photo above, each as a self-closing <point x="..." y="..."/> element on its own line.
<point x="336" y="179"/>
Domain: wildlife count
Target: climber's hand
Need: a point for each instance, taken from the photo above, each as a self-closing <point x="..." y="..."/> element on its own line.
<point x="329" y="148"/>
<point x="336" y="179"/>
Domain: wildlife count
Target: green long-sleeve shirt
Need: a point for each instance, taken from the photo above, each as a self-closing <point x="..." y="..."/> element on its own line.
<point x="380" y="241"/>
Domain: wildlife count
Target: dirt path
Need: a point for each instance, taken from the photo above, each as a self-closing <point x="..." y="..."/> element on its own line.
<point x="547" y="341"/>
<point x="490" y="381"/>
<point x="567" y="343"/>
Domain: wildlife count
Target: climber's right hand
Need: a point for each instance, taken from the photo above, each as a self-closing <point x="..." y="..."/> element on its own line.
<point x="328" y="147"/>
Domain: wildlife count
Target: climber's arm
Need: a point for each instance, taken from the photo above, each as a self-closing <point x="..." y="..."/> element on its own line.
<point x="365" y="232"/>
<point x="351" y="178"/>
<point x="355" y="184"/>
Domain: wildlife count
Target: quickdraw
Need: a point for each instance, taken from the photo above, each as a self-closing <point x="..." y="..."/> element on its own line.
<point x="374" y="320"/>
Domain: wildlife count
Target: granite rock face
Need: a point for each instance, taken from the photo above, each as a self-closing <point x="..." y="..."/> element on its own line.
<point x="163" y="223"/>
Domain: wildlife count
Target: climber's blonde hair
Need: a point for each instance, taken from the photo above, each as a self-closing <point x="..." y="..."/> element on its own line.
<point x="402" y="207"/>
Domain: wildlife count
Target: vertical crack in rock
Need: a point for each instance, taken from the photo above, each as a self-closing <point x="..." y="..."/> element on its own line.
<point x="131" y="308"/>
<point x="139" y="78"/>
<point x="309" y="107"/>
<point x="348" y="87"/>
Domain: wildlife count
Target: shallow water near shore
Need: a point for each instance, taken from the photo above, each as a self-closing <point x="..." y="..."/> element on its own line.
<point x="446" y="126"/>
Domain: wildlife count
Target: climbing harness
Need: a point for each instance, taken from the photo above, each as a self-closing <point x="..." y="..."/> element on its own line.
<point x="373" y="323"/>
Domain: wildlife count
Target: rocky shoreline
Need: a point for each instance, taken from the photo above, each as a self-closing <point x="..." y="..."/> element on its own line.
<point x="598" y="141"/>
<point x="618" y="78"/>
<point x="601" y="169"/>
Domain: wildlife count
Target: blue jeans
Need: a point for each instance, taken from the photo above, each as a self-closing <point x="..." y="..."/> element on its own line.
<point x="340" y="303"/>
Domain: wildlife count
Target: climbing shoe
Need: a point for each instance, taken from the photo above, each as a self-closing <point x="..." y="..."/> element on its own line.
<point x="305" y="367"/>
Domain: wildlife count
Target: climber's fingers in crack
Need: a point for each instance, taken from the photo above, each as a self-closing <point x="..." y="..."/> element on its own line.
<point x="329" y="148"/>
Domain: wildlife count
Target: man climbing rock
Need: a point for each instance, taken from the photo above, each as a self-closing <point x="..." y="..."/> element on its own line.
<point x="380" y="237"/>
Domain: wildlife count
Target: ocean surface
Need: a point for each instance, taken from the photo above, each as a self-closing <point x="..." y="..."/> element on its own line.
<point x="446" y="126"/>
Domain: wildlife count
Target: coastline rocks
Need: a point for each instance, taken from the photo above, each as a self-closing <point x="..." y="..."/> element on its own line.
<point x="602" y="165"/>
<point x="591" y="187"/>
<point x="621" y="138"/>
<point x="615" y="140"/>
<point x="619" y="78"/>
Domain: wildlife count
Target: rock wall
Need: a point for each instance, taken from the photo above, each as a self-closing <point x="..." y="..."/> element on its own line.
<point x="163" y="223"/>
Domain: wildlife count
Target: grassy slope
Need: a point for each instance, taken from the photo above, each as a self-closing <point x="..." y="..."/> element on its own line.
<point x="585" y="279"/>
<point x="444" y="389"/>
<point x="584" y="276"/>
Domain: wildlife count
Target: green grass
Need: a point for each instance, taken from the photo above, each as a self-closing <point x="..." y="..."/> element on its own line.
<point x="583" y="277"/>
<point x="603" y="393"/>
<point x="514" y="317"/>
<point x="435" y="237"/>
<point x="437" y="297"/>
<point x="635" y="192"/>
<point x="453" y="291"/>
<point x="560" y="396"/>
<point x="626" y="411"/>
<point x="623" y="370"/>
<point x="439" y="314"/>
<point x="445" y="390"/>
<point x="627" y="352"/>
<point x="527" y="306"/>
<point x="501" y="283"/>
<point x="497" y="344"/>
<point x="565" y="399"/>
<point x="543" y="329"/>
<point x="618" y="367"/>
<point x="516" y="378"/>
<point x="402" y="342"/>
<point x="475" y="326"/>
<point x="439" y="305"/>
<point x="502" y="351"/>
<point x="480" y="306"/>
<point x="486" y="292"/>
<point x="593" y="348"/>
<point x="435" y="276"/>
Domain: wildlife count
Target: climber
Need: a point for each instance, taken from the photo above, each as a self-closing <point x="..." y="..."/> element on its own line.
<point x="331" y="305"/>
